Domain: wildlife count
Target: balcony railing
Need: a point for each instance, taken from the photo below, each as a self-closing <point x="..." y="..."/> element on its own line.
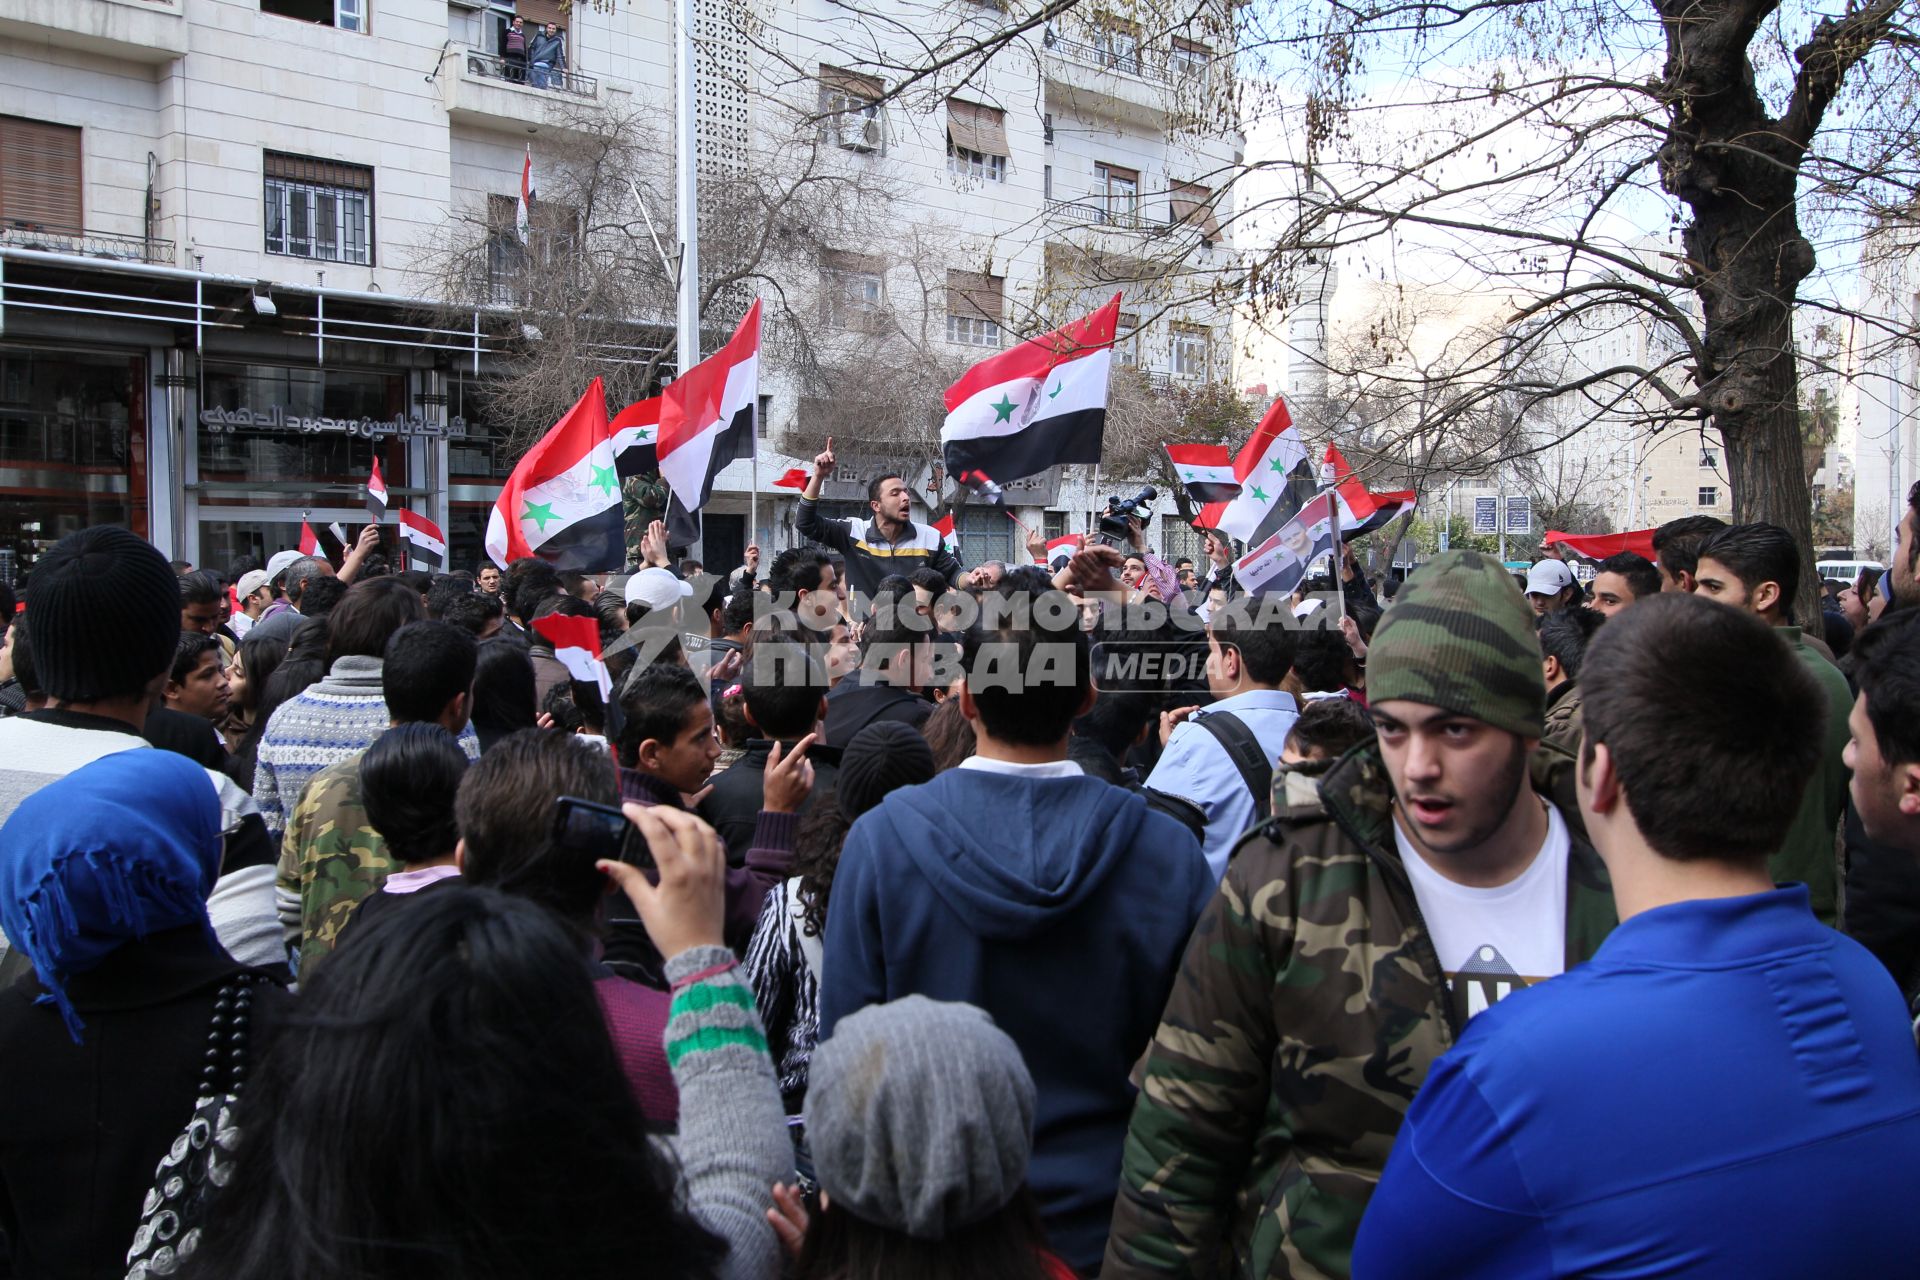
<point x="1131" y="61"/>
<point x="90" y="244"/>
<point x="1094" y="212"/>
<point x="492" y="66"/>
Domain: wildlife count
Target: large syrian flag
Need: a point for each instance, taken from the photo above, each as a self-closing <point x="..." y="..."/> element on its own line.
<point x="1205" y="471"/>
<point x="562" y="502"/>
<point x="1038" y="405"/>
<point x="1276" y="479"/>
<point x="636" y="438"/>
<point x="1361" y="509"/>
<point x="707" y="415"/>
<point x="423" y="536"/>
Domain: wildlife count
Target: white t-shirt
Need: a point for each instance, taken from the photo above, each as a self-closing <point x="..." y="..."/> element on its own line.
<point x="1494" y="941"/>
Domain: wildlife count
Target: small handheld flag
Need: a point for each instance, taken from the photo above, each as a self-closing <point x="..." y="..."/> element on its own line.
<point x="423" y="535"/>
<point x="793" y="479"/>
<point x="1205" y="471"/>
<point x="309" y="540"/>
<point x="376" y="494"/>
<point x="944" y="527"/>
<point x="576" y="646"/>
<point x="636" y="438"/>
<point x="562" y="502"/>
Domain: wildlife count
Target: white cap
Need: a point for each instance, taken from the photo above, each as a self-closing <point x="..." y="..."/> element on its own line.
<point x="1548" y="578"/>
<point x="657" y="589"/>
<point x="250" y="582"/>
<point x="280" y="562"/>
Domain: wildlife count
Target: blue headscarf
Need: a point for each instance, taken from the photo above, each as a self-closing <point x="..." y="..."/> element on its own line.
<point x="123" y="847"/>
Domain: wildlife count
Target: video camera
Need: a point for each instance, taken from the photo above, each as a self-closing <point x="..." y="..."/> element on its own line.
<point x="1113" y="529"/>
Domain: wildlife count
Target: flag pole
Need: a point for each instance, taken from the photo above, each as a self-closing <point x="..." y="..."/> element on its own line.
<point x="686" y="217"/>
<point x="1087" y="529"/>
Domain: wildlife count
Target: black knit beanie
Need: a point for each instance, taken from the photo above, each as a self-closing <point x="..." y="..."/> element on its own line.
<point x="884" y="756"/>
<point x="104" y="609"/>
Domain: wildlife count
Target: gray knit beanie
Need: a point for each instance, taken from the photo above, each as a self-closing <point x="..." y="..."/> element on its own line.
<point x="920" y="1116"/>
<point x="103" y="607"/>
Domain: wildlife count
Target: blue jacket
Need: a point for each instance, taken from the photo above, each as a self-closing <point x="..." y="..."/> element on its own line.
<point x="1728" y="1089"/>
<point x="1061" y="906"/>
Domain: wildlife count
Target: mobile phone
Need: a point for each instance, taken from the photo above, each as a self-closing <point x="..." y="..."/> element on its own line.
<point x="599" y="830"/>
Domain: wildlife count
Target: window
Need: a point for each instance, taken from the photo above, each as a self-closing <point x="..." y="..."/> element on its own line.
<point x="852" y="291"/>
<point x="553" y="235"/>
<point x="39" y="175"/>
<point x="1118" y="193"/>
<point x="976" y="141"/>
<point x="1709" y="496"/>
<point x="1191" y="344"/>
<point x="1126" y="342"/>
<point x="851" y="104"/>
<point x="1046" y="182"/>
<point x="1046" y="128"/>
<point x="985" y="533"/>
<point x="1190" y="204"/>
<point x="319" y="209"/>
<point x="974" y="306"/>
<point x="1118" y="43"/>
<point x="1189" y="57"/>
<point x="1053" y="524"/>
<point x="1709" y="457"/>
<point x="348" y="15"/>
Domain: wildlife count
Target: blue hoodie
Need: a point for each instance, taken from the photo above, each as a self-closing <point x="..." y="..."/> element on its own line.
<point x="1061" y="906"/>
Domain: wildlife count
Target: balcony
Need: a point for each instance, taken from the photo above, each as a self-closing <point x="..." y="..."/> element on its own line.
<point x="130" y="30"/>
<point x="86" y="244"/>
<point x="1118" y="79"/>
<point x="479" y="88"/>
<point x="1095" y="212"/>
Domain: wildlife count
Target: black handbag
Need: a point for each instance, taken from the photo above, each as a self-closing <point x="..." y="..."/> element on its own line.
<point x="200" y="1159"/>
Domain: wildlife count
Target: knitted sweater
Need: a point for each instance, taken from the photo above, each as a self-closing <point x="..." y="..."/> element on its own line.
<point x="732" y="1144"/>
<point x="333" y="719"/>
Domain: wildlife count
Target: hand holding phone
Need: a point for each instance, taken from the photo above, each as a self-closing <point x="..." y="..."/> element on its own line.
<point x="599" y="831"/>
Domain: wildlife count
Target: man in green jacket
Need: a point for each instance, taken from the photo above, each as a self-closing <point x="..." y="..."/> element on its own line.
<point x="1756" y="567"/>
<point x="1422" y="877"/>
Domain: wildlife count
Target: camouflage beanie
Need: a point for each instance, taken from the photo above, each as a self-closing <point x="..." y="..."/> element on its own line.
<point x="1461" y="637"/>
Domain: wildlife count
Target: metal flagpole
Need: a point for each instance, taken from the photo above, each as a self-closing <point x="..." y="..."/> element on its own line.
<point x="1330" y="492"/>
<point x="686" y="212"/>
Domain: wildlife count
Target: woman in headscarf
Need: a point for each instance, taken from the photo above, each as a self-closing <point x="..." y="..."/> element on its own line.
<point x="104" y="877"/>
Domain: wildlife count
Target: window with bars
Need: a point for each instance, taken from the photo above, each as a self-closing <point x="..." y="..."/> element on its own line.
<point x="852" y="291"/>
<point x="39" y="175"/>
<point x="1118" y="191"/>
<point x="975" y="305"/>
<point x="319" y="209"/>
<point x="850" y="103"/>
<point x="1118" y="42"/>
<point x="1192" y="351"/>
<point x="985" y="533"/>
<point x="348" y="15"/>
<point x="1709" y="496"/>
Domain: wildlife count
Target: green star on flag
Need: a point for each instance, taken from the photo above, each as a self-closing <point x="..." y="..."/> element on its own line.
<point x="1275" y="464"/>
<point x="1257" y="495"/>
<point x="1003" y="412"/>
<point x="646" y="432"/>
<point x="1056" y="390"/>
<point x="538" y="513"/>
<point x="603" y="478"/>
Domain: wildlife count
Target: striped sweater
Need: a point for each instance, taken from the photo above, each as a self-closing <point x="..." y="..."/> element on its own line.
<point x="331" y="721"/>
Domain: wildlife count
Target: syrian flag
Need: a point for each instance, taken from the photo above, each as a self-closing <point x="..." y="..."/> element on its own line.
<point x="1060" y="550"/>
<point x="1275" y="477"/>
<point x="376" y="494"/>
<point x="707" y="415"/>
<point x="1598" y="546"/>
<point x="309" y="540"/>
<point x="636" y="433"/>
<point x="562" y="502"/>
<point x="944" y="527"/>
<point x="793" y="478"/>
<point x="424" y="535"/>
<point x="523" y="208"/>
<point x="1361" y="509"/>
<point x="1205" y="471"/>
<point x="576" y="646"/>
<point x="1038" y="405"/>
<point x="1278" y="564"/>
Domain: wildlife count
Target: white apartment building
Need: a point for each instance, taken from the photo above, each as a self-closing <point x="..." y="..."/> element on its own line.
<point x="1886" y="388"/>
<point x="213" y="214"/>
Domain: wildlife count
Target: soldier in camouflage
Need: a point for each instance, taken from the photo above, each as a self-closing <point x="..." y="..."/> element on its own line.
<point x="643" y="499"/>
<point x="1314" y="995"/>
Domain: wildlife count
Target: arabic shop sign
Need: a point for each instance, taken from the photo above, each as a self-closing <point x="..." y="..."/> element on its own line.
<point x="276" y="418"/>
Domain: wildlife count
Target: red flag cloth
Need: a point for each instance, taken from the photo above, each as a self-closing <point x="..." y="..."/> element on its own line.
<point x="1598" y="546"/>
<point x="793" y="479"/>
<point x="309" y="540"/>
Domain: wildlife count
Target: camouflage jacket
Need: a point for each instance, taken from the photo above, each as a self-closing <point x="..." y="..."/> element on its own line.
<point x="330" y="858"/>
<point x="1563" y="718"/>
<point x="1309" y="1008"/>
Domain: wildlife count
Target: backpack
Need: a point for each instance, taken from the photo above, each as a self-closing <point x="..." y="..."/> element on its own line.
<point x="1248" y="756"/>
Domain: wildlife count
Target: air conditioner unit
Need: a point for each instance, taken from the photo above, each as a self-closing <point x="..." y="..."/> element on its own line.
<point x="860" y="134"/>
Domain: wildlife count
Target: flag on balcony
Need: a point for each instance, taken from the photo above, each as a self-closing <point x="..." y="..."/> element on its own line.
<point x="576" y="646"/>
<point x="636" y="434"/>
<point x="1037" y="405"/>
<point x="562" y="502"/>
<point x="424" y="536"/>
<point x="1361" y="509"/>
<point x="309" y="540"/>
<point x="523" y="208"/>
<point x="1205" y="471"/>
<point x="1276" y="479"/>
<point x="376" y="493"/>
<point x="707" y="415"/>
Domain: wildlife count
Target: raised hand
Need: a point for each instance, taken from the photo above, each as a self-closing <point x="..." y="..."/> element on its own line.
<point x="687" y="908"/>
<point x="788" y="779"/>
<point x="823" y="460"/>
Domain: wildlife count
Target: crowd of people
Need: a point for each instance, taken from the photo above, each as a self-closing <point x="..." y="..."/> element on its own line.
<point x="884" y="916"/>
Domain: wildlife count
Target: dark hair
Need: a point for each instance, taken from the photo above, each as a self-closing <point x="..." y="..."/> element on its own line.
<point x="1014" y="675"/>
<point x="242" y="566"/>
<point x="472" y="611"/>
<point x="442" y="591"/>
<point x="783" y="686"/>
<point x="817" y="842"/>
<point x="503" y="690"/>
<point x="1678" y="669"/>
<point x="180" y="566"/>
<point x="559" y="706"/>
<point x="427" y="665"/>
<point x="798" y="569"/>
<point x="655" y="704"/>
<point x="452" y="1046"/>
<point x="1006" y="1245"/>
<point x="187" y="654"/>
<point x="878" y="482"/>
<point x="1030" y="579"/>
<point x="1266" y="645"/>
<point x="505" y="810"/>
<point x="739" y="612"/>
<point x="1321" y="656"/>
<point x="1676" y="544"/>
<point x="1886" y="667"/>
<point x="1837" y="632"/>
<point x="408" y="779"/>
<point x="260" y="658"/>
<point x="1116" y="718"/>
<point x="419" y="579"/>
<point x="23" y="672"/>
<point x="199" y="587"/>
<point x="294" y="666"/>
<point x="1913" y="543"/>
<point x="368" y="617"/>
<point x="566" y="607"/>
<point x="527" y="582"/>
<point x="1564" y="634"/>
<point x="1643" y="579"/>
<point x="322" y="597"/>
<point x="689" y="567"/>
<point x="1331" y="726"/>
<point x="928" y="578"/>
<point x="302" y="574"/>
<point x="1757" y="552"/>
<point x="950" y="734"/>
